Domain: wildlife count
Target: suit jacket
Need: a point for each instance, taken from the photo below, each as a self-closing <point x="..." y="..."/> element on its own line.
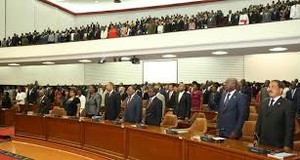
<point x="232" y="115"/>
<point x="247" y="91"/>
<point x="171" y="102"/>
<point x="133" y="109"/>
<point x="44" y="105"/>
<point x="154" y="112"/>
<point x="92" y="104"/>
<point x="295" y="99"/>
<point x="214" y="100"/>
<point x="32" y="96"/>
<point x="275" y="125"/>
<point x="183" y="107"/>
<point x="112" y="105"/>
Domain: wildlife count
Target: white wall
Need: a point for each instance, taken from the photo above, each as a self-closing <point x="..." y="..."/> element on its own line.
<point x="117" y="72"/>
<point x="210" y="68"/>
<point x="53" y="75"/>
<point x="225" y="6"/>
<point x="2" y="19"/>
<point x="283" y="66"/>
<point x="29" y="15"/>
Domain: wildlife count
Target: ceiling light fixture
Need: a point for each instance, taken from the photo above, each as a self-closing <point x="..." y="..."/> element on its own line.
<point x="169" y="56"/>
<point x="48" y="63"/>
<point x="125" y="58"/>
<point x="85" y="61"/>
<point x="278" y="49"/>
<point x="96" y="1"/>
<point x="219" y="53"/>
<point x="14" y="64"/>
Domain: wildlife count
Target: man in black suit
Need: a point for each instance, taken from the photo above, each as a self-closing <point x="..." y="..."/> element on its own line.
<point x="214" y="99"/>
<point x="276" y="119"/>
<point x="246" y="90"/>
<point x="183" y="103"/>
<point x="154" y="108"/>
<point x="44" y="103"/>
<point x="31" y="94"/>
<point x="133" y="109"/>
<point x="171" y="97"/>
<point x="112" y="102"/>
<point x="232" y="111"/>
<point x="294" y="95"/>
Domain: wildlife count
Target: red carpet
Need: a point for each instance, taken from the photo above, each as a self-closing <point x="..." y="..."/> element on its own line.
<point x="4" y="157"/>
<point x="7" y="131"/>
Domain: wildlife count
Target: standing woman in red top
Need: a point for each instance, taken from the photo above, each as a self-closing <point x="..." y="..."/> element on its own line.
<point x="196" y="95"/>
<point x="113" y="32"/>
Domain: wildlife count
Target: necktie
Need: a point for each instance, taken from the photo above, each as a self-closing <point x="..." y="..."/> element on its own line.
<point x="271" y="103"/>
<point x="149" y="103"/>
<point x="227" y="98"/>
<point x="129" y="99"/>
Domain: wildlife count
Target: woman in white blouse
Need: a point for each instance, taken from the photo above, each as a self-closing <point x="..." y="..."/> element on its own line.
<point x="21" y="96"/>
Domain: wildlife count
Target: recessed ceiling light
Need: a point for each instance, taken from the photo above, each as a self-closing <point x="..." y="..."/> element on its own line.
<point x="125" y="58"/>
<point x="14" y="64"/>
<point x="96" y="1"/>
<point x="85" y="61"/>
<point x="219" y="53"/>
<point x="48" y="63"/>
<point x="169" y="56"/>
<point x="278" y="49"/>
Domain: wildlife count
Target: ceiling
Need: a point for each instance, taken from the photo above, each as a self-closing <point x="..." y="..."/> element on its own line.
<point x="91" y="6"/>
<point x="295" y="48"/>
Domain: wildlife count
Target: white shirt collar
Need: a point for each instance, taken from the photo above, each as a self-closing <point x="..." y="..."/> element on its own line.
<point x="275" y="99"/>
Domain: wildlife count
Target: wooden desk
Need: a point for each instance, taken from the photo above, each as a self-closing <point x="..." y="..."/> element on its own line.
<point x="153" y="143"/>
<point x="30" y="126"/>
<point x="104" y="138"/>
<point x="6" y="117"/>
<point x="64" y="131"/>
<point x="126" y="142"/>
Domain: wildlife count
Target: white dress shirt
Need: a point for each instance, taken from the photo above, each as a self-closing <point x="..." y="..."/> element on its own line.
<point x="275" y="100"/>
<point x="82" y="102"/>
<point x="244" y="19"/>
<point x="295" y="11"/>
<point x="231" y="93"/>
<point x="21" y="98"/>
<point x="285" y="90"/>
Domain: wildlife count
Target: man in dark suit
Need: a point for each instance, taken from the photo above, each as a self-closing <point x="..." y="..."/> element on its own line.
<point x="183" y="103"/>
<point x="171" y="97"/>
<point x="294" y="95"/>
<point x="232" y="111"/>
<point x="154" y="108"/>
<point x="44" y="103"/>
<point x="133" y="108"/>
<point x="214" y="98"/>
<point x="31" y="94"/>
<point x="276" y="119"/>
<point x="112" y="102"/>
<point x="245" y="89"/>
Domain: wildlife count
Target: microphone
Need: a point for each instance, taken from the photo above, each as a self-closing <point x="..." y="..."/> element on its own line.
<point x="256" y="140"/>
<point x="207" y="138"/>
<point x="255" y="148"/>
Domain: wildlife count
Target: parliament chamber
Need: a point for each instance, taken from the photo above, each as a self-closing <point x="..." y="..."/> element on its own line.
<point x="124" y="141"/>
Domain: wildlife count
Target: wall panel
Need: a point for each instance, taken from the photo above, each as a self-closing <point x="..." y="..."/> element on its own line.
<point x="116" y="72"/>
<point x="210" y="68"/>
